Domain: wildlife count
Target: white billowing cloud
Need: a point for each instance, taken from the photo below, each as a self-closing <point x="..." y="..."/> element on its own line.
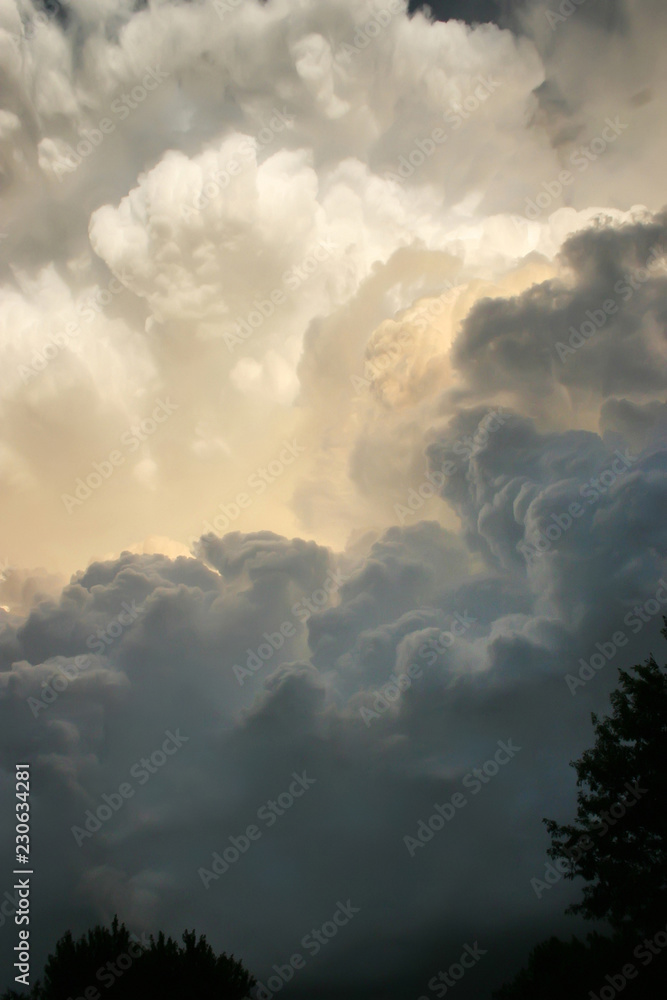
<point x="209" y="163"/>
<point x="272" y="277"/>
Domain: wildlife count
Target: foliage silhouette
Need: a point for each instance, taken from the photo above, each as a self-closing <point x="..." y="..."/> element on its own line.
<point x="119" y="966"/>
<point x="618" y="845"/>
<point x="626" y="865"/>
<point x="576" y="969"/>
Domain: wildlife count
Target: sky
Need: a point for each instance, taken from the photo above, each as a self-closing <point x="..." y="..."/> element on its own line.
<point x="332" y="457"/>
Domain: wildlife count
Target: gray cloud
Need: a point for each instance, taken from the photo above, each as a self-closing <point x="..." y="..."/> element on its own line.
<point x="447" y="365"/>
<point x="595" y="328"/>
<point x="172" y="669"/>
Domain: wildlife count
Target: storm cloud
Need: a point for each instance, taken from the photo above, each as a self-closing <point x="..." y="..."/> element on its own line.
<point x="333" y="463"/>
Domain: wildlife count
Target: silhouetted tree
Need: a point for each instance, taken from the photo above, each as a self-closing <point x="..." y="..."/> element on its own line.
<point x="119" y="966"/>
<point x="618" y="842"/>
<point x="618" y="845"/>
<point x="558" y="969"/>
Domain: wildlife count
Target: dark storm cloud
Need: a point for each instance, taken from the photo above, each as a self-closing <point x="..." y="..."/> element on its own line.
<point x="320" y="699"/>
<point x="373" y="680"/>
<point x="573" y="510"/>
<point x="637" y="422"/>
<point x="374" y="779"/>
<point x="472" y="11"/>
<point x="598" y="327"/>
<point x="609" y="15"/>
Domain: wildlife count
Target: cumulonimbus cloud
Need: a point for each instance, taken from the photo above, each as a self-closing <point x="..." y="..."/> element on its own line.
<point x="343" y="332"/>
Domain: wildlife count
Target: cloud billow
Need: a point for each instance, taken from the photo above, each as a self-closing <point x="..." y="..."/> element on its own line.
<point x="414" y="479"/>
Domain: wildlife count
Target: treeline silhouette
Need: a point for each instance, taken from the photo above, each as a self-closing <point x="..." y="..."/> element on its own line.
<point x="117" y="965"/>
<point x="618" y="845"/>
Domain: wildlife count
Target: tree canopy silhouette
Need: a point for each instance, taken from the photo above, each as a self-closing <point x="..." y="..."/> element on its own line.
<point x="557" y="969"/>
<point x="618" y="845"/>
<point x="618" y="842"/>
<point x="117" y="965"/>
